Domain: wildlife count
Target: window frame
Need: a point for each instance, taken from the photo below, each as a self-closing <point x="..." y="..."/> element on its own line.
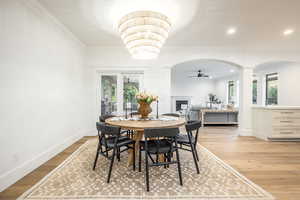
<point x="231" y="83"/>
<point x="267" y="87"/>
<point x="256" y="82"/>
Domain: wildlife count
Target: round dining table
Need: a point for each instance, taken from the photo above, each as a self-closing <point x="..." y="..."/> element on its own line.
<point x="139" y="125"/>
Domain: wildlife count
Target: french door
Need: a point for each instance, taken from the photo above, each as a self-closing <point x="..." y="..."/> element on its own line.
<point x="117" y="92"/>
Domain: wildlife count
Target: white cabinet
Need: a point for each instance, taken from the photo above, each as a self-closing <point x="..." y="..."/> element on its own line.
<point x="276" y="123"/>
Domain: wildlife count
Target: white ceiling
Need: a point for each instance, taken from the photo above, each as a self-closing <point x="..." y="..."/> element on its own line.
<point x="259" y="23"/>
<point x="213" y="68"/>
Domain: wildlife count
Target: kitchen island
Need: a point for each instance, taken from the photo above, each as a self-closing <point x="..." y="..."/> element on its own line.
<point x="219" y="116"/>
<point x="276" y="122"/>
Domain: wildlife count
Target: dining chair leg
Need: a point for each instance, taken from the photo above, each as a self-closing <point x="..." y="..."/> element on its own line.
<point x="111" y="164"/>
<point x="106" y="151"/>
<point x="196" y="152"/>
<point x="195" y="158"/>
<point x="140" y="158"/>
<point x="96" y="158"/>
<point x="133" y="154"/>
<point x="118" y="154"/>
<point x="179" y="167"/>
<point x="169" y="158"/>
<point x="147" y="171"/>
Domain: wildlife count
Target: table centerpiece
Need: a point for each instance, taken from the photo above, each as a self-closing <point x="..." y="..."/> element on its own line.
<point x="144" y="100"/>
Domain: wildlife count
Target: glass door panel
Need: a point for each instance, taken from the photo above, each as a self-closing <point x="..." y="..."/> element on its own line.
<point x="131" y="86"/>
<point x="108" y="94"/>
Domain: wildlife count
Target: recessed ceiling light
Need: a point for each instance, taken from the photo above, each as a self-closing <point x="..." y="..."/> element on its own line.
<point x="210" y="77"/>
<point x="231" y="31"/>
<point x="288" y="31"/>
<point x="232" y="70"/>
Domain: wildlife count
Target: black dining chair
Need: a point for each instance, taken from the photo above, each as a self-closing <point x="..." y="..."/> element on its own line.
<point x="188" y="142"/>
<point x="171" y="114"/>
<point x="102" y="118"/>
<point x="109" y="137"/>
<point x="160" y="141"/>
<point x="134" y="113"/>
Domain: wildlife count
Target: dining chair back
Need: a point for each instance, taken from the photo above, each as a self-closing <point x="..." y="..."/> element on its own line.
<point x="171" y="114"/>
<point x="102" y="118"/>
<point x="108" y="130"/>
<point x="192" y="129"/>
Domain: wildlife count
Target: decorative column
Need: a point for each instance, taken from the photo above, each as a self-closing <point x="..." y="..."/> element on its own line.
<point x="245" y="107"/>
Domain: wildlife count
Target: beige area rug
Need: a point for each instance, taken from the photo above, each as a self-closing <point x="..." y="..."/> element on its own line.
<point x="75" y="179"/>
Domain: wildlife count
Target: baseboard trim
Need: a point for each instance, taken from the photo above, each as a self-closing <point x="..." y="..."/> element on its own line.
<point x="12" y="176"/>
<point x="92" y="132"/>
<point x="245" y="132"/>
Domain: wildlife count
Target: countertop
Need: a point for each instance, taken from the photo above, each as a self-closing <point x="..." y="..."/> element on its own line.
<point x="219" y="111"/>
<point x="277" y="107"/>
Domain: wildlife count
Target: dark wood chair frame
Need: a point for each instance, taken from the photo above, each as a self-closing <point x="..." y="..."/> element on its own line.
<point x="171" y="114"/>
<point x="106" y="134"/>
<point x="191" y="127"/>
<point x="155" y="140"/>
<point x="102" y="118"/>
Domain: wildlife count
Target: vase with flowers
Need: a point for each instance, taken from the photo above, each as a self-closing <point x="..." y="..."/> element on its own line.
<point x="145" y="100"/>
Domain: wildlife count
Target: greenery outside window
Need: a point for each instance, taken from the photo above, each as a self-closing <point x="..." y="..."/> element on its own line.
<point x="272" y="89"/>
<point x="131" y="87"/>
<point x="254" y="91"/>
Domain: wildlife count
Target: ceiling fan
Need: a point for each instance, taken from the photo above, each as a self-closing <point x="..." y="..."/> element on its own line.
<point x="200" y="74"/>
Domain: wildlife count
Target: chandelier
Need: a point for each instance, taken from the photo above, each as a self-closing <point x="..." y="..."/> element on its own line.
<point x="144" y="33"/>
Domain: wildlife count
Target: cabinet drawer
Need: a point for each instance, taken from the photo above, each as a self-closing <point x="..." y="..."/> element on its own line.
<point x="284" y="132"/>
<point x="286" y="114"/>
<point x="286" y="122"/>
<point x="286" y="136"/>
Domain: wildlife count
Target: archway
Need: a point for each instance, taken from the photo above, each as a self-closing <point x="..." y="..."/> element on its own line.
<point x="216" y="75"/>
<point x="221" y="75"/>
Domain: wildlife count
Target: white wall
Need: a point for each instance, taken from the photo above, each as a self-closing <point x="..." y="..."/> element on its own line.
<point x="288" y="82"/>
<point x="158" y="82"/>
<point x="118" y="56"/>
<point x="221" y="88"/>
<point x="197" y="89"/>
<point x="44" y="89"/>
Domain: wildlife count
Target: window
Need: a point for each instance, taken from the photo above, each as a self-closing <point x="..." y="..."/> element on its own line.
<point x="254" y="91"/>
<point x="108" y="94"/>
<point x="272" y="89"/>
<point x="231" y="92"/>
<point x="118" y="92"/>
<point x="131" y="86"/>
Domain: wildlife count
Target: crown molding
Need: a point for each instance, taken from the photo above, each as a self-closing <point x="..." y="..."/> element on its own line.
<point x="44" y="14"/>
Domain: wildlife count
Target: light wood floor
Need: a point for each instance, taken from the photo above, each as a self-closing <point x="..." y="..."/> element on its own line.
<point x="275" y="166"/>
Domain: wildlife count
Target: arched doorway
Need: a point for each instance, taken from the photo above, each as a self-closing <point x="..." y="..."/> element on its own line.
<point x="220" y="78"/>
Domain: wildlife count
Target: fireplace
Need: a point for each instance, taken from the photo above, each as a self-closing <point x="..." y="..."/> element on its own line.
<point x="180" y="103"/>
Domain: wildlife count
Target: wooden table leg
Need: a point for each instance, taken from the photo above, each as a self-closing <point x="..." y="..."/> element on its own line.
<point x="137" y="137"/>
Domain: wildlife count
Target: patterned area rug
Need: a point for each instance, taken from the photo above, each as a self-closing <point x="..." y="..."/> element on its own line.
<point x="75" y="179"/>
